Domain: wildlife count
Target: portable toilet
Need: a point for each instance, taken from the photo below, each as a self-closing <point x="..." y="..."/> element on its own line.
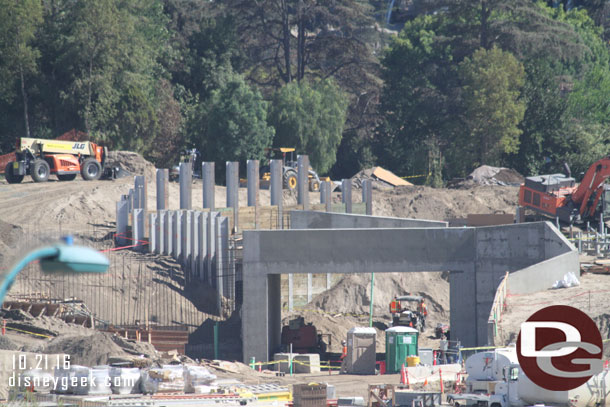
<point x="361" y="357"/>
<point x="400" y="343"/>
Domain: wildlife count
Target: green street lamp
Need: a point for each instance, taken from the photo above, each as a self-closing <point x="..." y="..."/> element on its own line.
<point x="59" y="258"/>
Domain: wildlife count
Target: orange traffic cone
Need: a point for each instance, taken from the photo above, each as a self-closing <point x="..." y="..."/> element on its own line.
<point x="407" y="377"/>
<point x="403" y="377"/>
<point x="426" y="382"/>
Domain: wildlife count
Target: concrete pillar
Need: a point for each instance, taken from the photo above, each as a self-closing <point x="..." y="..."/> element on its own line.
<point x="209" y="182"/>
<point x="276" y="190"/>
<point x="233" y="191"/>
<point x="132" y="200"/>
<point x="137" y="230"/>
<point x="328" y="281"/>
<point x="185" y="243"/>
<point x="186" y="186"/>
<point x="309" y="286"/>
<point x="122" y="220"/>
<point x="169" y="233"/>
<point x="290" y="292"/>
<point x="303" y="181"/>
<point x="195" y="229"/>
<point x="153" y="233"/>
<point x="176" y="235"/>
<point x="325" y="195"/>
<point x="140" y="191"/>
<point x="162" y="221"/>
<point x="162" y="189"/>
<point x="253" y="182"/>
<point x="211" y="242"/>
<point x="346" y="194"/>
<point x="221" y="236"/>
<point x="367" y="196"/>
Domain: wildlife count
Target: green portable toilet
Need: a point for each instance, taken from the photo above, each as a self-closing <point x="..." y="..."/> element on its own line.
<point x="400" y="342"/>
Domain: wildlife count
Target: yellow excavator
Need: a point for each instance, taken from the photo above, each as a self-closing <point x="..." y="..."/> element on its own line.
<point x="289" y="169"/>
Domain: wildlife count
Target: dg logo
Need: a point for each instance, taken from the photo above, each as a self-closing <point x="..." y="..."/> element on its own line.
<point x="559" y="348"/>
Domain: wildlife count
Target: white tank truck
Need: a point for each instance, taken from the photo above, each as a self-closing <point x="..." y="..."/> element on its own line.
<point x="499" y="382"/>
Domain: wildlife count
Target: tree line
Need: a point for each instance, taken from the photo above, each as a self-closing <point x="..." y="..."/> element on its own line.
<point x="458" y="84"/>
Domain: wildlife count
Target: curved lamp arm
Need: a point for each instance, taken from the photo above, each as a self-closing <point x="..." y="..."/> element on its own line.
<point x="59" y="258"/>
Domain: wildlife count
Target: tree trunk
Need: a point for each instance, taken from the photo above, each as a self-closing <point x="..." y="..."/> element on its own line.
<point x="484" y="34"/>
<point x="300" y="42"/>
<point x="25" y="102"/>
<point x="89" y="96"/>
<point x="286" y="41"/>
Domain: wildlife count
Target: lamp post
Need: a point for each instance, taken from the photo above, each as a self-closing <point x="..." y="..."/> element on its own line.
<point x="59" y="258"/>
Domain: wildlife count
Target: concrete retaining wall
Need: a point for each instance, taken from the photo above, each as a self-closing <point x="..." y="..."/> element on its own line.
<point x="323" y="220"/>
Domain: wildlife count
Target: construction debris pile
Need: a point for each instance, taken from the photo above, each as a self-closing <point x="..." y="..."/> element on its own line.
<point x="382" y="179"/>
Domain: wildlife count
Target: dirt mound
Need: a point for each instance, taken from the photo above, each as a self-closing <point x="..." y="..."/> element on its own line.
<point x="7" y="344"/>
<point x="422" y="202"/>
<point x="91" y="350"/>
<point x="132" y="162"/>
<point x="11" y="236"/>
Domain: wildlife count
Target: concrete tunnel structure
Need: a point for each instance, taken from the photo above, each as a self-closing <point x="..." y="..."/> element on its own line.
<point x="536" y="254"/>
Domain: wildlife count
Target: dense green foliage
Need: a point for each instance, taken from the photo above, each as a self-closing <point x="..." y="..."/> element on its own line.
<point x="457" y="84"/>
<point x="310" y="118"/>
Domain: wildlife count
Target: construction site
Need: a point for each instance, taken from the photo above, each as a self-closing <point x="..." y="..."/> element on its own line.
<point x="306" y="292"/>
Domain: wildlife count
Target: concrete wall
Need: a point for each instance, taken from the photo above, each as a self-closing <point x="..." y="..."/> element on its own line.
<point x="476" y="257"/>
<point x="323" y="220"/>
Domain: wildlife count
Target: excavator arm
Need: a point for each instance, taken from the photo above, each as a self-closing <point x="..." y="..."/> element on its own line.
<point x="591" y="184"/>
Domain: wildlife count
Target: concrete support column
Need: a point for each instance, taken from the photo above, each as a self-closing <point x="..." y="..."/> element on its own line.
<point x="209" y="181"/>
<point x="222" y="238"/>
<point x="162" y="220"/>
<point x="153" y="233"/>
<point x="325" y="195"/>
<point x="367" y="196"/>
<point x="203" y="245"/>
<point x="462" y="322"/>
<point x="186" y="186"/>
<point x="328" y="281"/>
<point x="276" y="190"/>
<point x="195" y="253"/>
<point x="140" y="192"/>
<point x="185" y="243"/>
<point x="253" y="308"/>
<point x="131" y="195"/>
<point x="169" y="233"/>
<point x="122" y="220"/>
<point x="211" y="243"/>
<point x="290" y="292"/>
<point x="137" y="229"/>
<point x="303" y="181"/>
<point x="233" y="191"/>
<point x="177" y="235"/>
<point x="309" y="287"/>
<point x="253" y="182"/>
<point x="346" y="194"/>
<point x="162" y="189"/>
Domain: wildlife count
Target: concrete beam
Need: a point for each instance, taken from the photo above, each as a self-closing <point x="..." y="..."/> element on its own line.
<point x="209" y="183"/>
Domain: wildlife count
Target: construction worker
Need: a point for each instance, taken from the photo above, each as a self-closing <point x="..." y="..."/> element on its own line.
<point x="343" y="355"/>
<point x="423" y="311"/>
